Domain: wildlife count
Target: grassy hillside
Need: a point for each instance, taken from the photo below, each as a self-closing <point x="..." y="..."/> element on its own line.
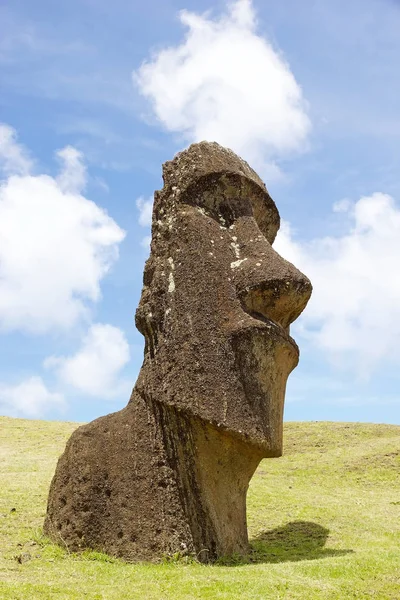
<point x="324" y="521"/>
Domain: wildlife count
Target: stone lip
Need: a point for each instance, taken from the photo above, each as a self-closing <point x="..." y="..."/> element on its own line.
<point x="169" y="473"/>
<point x="263" y="323"/>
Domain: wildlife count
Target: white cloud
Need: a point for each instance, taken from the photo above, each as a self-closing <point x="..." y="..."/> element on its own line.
<point x="31" y="398"/>
<point x="55" y="245"/>
<point x="145" y="208"/>
<point x="72" y="177"/>
<point x="13" y="157"/>
<point x="146" y="241"/>
<point x="343" y="205"/>
<point x="226" y="83"/>
<point x="95" y="368"/>
<point x="354" y="312"/>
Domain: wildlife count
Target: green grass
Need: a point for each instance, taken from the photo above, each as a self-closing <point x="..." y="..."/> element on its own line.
<point x="324" y="521"/>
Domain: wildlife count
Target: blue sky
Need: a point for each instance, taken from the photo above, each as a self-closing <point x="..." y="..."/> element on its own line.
<point x="96" y="95"/>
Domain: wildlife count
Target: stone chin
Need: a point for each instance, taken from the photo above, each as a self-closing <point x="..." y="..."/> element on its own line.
<point x="265" y="357"/>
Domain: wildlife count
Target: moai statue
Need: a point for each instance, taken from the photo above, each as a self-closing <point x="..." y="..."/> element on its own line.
<point x="170" y="472"/>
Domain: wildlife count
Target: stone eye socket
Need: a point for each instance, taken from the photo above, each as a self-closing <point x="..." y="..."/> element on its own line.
<point x="226" y="210"/>
<point x="227" y="196"/>
<point x="222" y="197"/>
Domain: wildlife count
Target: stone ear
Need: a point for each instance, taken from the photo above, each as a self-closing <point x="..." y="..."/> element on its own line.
<point x="146" y="324"/>
<point x="144" y="317"/>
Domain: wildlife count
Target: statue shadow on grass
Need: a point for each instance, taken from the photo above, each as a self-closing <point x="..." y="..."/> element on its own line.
<point x="296" y="541"/>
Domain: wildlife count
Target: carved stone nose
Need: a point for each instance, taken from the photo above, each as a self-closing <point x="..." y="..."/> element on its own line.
<point x="282" y="300"/>
<point x="267" y="285"/>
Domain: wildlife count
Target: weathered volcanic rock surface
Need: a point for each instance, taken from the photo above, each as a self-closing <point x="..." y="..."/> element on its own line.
<point x="169" y="473"/>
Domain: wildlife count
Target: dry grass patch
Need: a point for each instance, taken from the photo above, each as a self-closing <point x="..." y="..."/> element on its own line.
<point x="324" y="522"/>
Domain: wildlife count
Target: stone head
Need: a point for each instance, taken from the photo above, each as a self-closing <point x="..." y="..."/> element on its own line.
<point x="217" y="300"/>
